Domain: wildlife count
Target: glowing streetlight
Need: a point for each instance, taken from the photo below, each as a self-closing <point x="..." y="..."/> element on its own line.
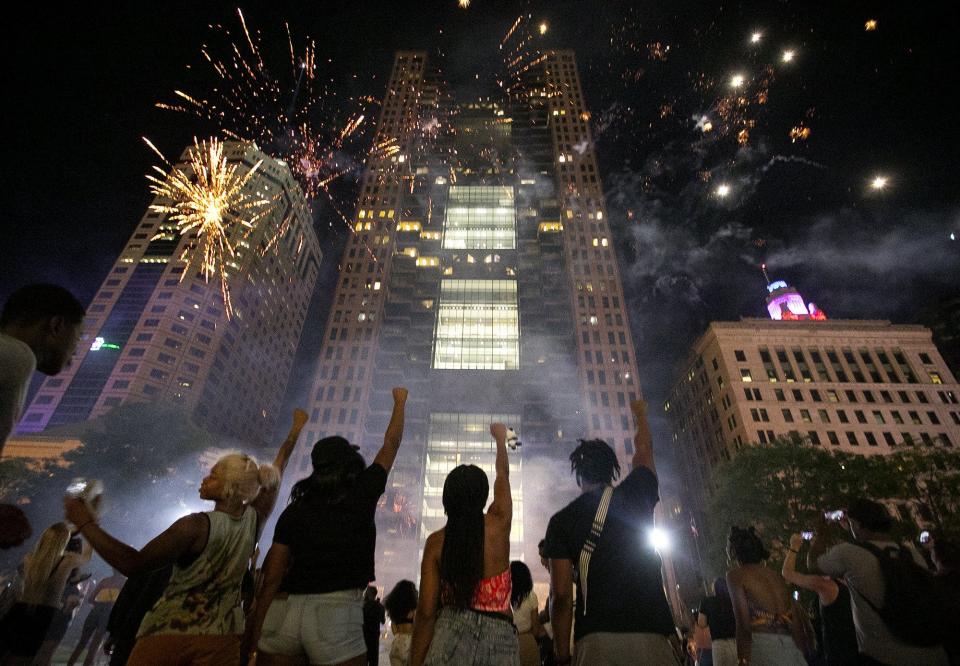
<point x="659" y="539"/>
<point x="756" y="37"/>
<point x="788" y="55"/>
<point x="737" y="80"/>
<point x="543" y="27"/>
<point x="879" y="182"/>
<point x="723" y="190"/>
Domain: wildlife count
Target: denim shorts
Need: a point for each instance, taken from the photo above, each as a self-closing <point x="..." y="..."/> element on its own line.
<point x="467" y="638"/>
<point x="326" y="628"/>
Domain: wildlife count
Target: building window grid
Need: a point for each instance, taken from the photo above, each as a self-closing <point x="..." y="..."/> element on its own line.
<point x="478" y="326"/>
<point x="480" y="217"/>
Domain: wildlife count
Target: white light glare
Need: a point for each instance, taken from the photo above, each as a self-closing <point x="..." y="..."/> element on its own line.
<point x="788" y="55"/>
<point x="659" y="539"/>
<point x="737" y="80"/>
<point x="756" y="37"/>
<point x="723" y="190"/>
<point x="879" y="182"/>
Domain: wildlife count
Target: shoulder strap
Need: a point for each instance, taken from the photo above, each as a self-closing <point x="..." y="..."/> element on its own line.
<point x="591" y="543"/>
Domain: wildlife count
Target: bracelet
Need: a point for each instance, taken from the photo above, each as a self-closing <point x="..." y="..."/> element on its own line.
<point x="80" y="527"/>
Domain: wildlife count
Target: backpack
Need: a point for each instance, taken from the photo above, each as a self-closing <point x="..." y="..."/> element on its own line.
<point x="911" y="608"/>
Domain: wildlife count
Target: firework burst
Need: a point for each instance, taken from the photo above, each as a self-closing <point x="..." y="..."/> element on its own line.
<point x="289" y="109"/>
<point x="209" y="200"/>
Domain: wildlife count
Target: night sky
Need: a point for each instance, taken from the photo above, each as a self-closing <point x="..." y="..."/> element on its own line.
<point x="82" y="83"/>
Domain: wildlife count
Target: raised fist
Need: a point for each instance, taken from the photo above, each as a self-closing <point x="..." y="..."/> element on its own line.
<point x="639" y="408"/>
<point x="499" y="431"/>
<point x="399" y="394"/>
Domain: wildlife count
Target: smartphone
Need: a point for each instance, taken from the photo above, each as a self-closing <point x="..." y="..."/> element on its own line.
<point x="77" y="488"/>
<point x="833" y="515"/>
<point x="807" y="536"/>
<point x="925" y="536"/>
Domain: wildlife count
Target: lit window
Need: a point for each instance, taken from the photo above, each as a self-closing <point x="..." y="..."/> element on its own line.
<point x="935" y="378"/>
<point x="745" y="375"/>
<point x="478" y="326"/>
<point x="480" y="217"/>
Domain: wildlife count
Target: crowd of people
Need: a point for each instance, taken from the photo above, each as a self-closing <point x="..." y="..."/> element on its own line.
<point x="194" y="595"/>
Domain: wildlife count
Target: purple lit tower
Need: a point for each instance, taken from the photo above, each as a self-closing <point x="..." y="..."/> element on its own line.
<point x="785" y="302"/>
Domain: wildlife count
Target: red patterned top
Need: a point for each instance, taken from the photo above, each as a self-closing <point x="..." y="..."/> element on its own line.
<point x="491" y="595"/>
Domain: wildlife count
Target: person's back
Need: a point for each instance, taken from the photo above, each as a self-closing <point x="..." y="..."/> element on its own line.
<point x="310" y="600"/>
<point x="771" y="628"/>
<point x="771" y="608"/>
<point x="861" y="572"/>
<point x="600" y="542"/>
<point x="623" y="564"/>
<point x="332" y="546"/>
<point x="464" y="611"/>
<point x="716" y="614"/>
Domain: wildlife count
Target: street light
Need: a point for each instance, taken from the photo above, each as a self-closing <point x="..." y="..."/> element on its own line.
<point x="723" y="190"/>
<point x="659" y="539"/>
<point x="879" y="182"/>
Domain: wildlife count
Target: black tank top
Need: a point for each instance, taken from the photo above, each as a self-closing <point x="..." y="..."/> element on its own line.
<point x="839" y="634"/>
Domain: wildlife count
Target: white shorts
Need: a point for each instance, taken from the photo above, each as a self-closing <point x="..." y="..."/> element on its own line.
<point x="326" y="628"/>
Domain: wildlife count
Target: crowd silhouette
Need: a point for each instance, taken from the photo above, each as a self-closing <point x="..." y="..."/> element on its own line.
<point x="194" y="594"/>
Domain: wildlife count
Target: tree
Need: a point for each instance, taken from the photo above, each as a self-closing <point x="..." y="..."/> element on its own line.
<point x="929" y="477"/>
<point x="781" y="488"/>
<point x="147" y="456"/>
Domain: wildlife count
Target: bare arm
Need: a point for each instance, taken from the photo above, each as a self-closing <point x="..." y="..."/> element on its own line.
<point x="267" y="498"/>
<point x="561" y="605"/>
<point x="427" y="606"/>
<point x="286" y="448"/>
<point x="502" y="505"/>
<point x="822" y="541"/>
<point x="274" y="568"/>
<point x="825" y="588"/>
<point x="391" y="438"/>
<point x="741" y="612"/>
<point x="642" y="440"/>
<point x="180" y="538"/>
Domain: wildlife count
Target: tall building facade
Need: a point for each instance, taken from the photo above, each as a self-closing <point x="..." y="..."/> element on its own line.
<point x="481" y="275"/>
<point x="867" y="387"/>
<point x="153" y="333"/>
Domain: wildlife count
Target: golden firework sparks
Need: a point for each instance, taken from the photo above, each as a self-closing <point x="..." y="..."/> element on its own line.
<point x="464" y="4"/>
<point x="799" y="133"/>
<point x="208" y="198"/>
<point x="870" y="25"/>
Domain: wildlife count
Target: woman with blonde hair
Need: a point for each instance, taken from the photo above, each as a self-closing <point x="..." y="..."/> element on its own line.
<point x="45" y="572"/>
<point x="199" y="618"/>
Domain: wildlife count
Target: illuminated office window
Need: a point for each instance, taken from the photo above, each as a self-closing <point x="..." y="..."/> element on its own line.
<point x="464" y="439"/>
<point x="478" y="326"/>
<point x="480" y="217"/>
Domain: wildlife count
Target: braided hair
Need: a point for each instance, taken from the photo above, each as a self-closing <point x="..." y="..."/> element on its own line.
<point x="594" y="461"/>
<point x="746" y="546"/>
<point x="461" y="559"/>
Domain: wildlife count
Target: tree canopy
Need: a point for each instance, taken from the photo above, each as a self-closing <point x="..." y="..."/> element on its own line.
<point x="782" y="487"/>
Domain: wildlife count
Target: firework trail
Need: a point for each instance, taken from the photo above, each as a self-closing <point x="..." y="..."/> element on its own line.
<point x="291" y="111"/>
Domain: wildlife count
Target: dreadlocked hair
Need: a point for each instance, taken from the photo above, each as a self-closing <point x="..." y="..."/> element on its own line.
<point x="594" y="461"/>
<point x="746" y="546"/>
<point x="461" y="560"/>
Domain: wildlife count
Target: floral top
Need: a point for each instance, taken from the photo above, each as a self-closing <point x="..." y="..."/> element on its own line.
<point x="204" y="597"/>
